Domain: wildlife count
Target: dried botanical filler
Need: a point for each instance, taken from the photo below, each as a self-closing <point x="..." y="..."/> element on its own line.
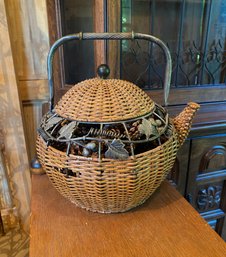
<point x="106" y="145"/>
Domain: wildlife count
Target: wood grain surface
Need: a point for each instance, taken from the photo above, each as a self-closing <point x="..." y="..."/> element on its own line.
<point x="113" y="47"/>
<point x="29" y="38"/>
<point x="166" y="225"/>
<point x="99" y="45"/>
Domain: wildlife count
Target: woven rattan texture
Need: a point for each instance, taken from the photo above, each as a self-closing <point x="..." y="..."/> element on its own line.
<point x="109" y="185"/>
<point x="182" y="122"/>
<point x="103" y="100"/>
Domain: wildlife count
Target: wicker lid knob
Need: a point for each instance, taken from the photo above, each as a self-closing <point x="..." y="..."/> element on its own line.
<point x="103" y="71"/>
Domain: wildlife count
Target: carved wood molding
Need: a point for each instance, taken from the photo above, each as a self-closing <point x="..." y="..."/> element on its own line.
<point x="209" y="197"/>
<point x="210" y="155"/>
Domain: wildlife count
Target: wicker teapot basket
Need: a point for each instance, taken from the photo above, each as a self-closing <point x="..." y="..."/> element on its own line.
<point x="112" y="153"/>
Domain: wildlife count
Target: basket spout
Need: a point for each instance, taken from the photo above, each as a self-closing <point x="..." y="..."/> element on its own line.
<point x="184" y="120"/>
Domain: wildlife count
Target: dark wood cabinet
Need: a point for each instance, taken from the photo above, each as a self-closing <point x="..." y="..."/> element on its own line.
<point x="201" y="175"/>
<point x="206" y="183"/>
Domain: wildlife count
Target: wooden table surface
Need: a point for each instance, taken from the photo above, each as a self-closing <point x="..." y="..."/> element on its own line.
<point x="166" y="225"/>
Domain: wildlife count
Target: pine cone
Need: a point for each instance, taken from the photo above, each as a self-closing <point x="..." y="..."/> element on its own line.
<point x="133" y="131"/>
<point x="113" y="132"/>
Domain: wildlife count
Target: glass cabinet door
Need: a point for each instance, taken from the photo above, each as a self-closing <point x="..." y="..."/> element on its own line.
<point x="194" y="31"/>
<point x="78" y="56"/>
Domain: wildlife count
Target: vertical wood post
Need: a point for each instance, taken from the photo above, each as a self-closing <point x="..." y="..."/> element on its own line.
<point x="12" y="126"/>
<point x="99" y="45"/>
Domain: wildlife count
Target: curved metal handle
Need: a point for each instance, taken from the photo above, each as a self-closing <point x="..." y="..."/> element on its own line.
<point x="108" y="36"/>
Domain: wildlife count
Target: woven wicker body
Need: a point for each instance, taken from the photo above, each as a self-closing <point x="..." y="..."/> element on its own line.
<point x="106" y="146"/>
<point x="110" y="185"/>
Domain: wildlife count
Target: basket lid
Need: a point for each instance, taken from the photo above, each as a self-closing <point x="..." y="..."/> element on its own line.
<point x="104" y="100"/>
